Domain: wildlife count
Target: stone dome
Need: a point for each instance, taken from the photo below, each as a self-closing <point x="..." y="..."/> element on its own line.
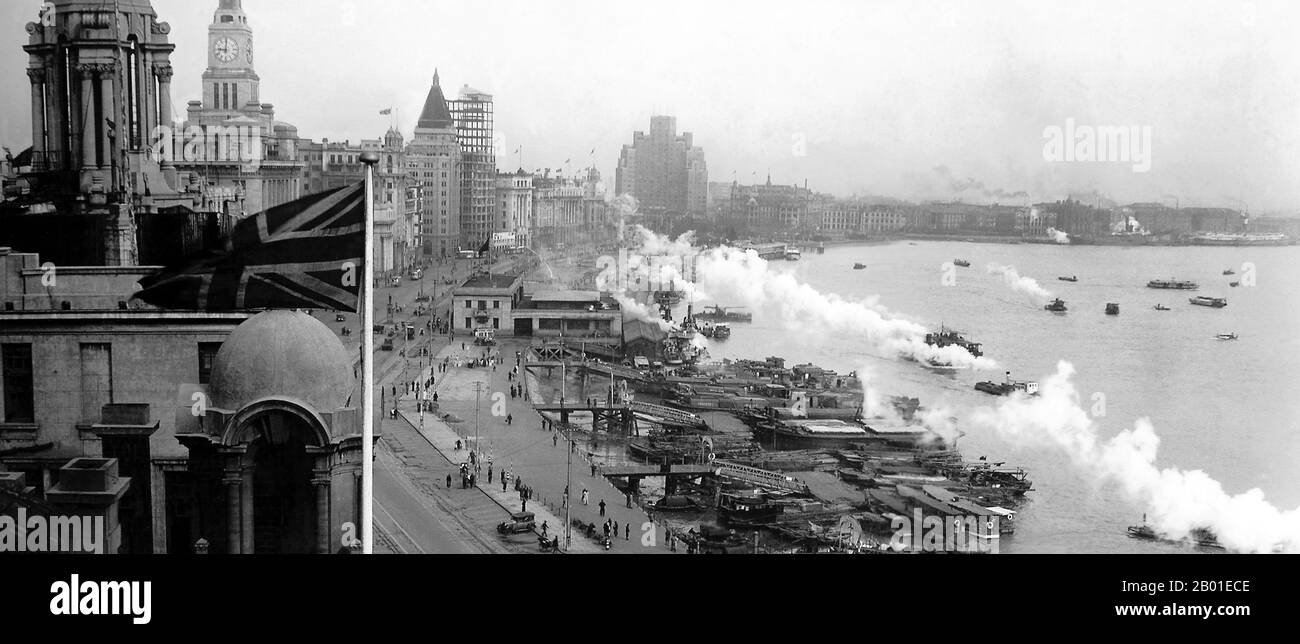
<point x="282" y="354"/>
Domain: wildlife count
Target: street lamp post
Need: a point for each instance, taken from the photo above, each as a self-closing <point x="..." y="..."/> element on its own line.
<point x="478" y="387"/>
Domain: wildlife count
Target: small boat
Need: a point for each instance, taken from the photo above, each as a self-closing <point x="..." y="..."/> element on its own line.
<point x="859" y="266"/>
<point x="793" y="254"/>
<point x="961" y="262"/>
<point x="1234" y="284"/>
<point x="1226" y="336"/>
<point x="676" y="504"/>
<point x="1072" y="278"/>
<point x="1112" y="309"/>
<point x="1212" y="302"/>
<point x="1161" y="307"/>
<point x="1057" y="306"/>
<point x="721" y="331"/>
<point x="1229" y="272"/>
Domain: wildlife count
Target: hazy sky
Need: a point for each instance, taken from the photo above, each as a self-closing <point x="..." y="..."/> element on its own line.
<point x="908" y="99"/>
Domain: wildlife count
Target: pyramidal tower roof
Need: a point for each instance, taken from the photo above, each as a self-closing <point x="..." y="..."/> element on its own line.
<point x="435" y="116"/>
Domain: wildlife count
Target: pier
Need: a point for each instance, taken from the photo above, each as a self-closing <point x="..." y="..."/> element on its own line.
<point x="616" y="417"/>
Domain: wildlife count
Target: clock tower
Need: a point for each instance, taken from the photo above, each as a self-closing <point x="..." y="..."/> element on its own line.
<point x="230" y="83"/>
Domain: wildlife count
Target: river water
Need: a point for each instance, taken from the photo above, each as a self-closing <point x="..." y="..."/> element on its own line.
<point x="1231" y="409"/>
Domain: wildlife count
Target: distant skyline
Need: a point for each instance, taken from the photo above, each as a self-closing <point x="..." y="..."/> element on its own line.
<point x="918" y="101"/>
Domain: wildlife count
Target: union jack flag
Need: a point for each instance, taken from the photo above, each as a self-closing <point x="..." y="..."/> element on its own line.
<point x="304" y="254"/>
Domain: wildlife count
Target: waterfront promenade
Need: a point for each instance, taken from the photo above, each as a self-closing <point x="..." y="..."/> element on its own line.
<point x="511" y="438"/>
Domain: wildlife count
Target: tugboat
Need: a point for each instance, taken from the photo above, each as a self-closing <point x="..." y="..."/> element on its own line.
<point x="721" y="331"/>
<point x="945" y="338"/>
<point x="1227" y="336"/>
<point x="1007" y="388"/>
<point x="859" y="266"/>
<point x="1112" y="309"/>
<point x="1229" y="272"/>
<point x="1178" y="285"/>
<point x="1161" y="307"/>
<point x="1212" y="302"/>
<point x="961" y="262"/>
<point x="1057" y="306"/>
<point x="1072" y="278"/>
<point x="1234" y="284"/>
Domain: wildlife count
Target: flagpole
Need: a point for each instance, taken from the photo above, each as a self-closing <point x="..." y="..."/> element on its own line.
<point x="368" y="363"/>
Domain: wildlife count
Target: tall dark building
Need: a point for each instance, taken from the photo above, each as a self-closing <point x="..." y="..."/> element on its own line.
<point x="665" y="172"/>
<point x="100" y="76"/>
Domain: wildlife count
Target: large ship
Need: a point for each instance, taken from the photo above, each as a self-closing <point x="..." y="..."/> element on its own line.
<point x="1212" y="302"/>
<point x="809" y="433"/>
<point x="722" y="314"/>
<point x="1180" y="285"/>
<point x="1239" y="239"/>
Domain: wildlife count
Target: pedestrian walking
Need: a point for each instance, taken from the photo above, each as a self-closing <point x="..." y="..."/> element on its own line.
<point x="448" y="481"/>
<point x="555" y="440"/>
<point x="629" y="499"/>
<point x="627" y="531"/>
<point x="616" y="528"/>
<point x="489" y="475"/>
<point x="473" y="480"/>
<point x="585" y="496"/>
<point x="510" y="419"/>
<point x="602" y="507"/>
<point x="544" y="527"/>
<point x="593" y="469"/>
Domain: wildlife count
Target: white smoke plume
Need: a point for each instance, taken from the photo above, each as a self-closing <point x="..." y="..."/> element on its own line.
<point x="874" y="403"/>
<point x="640" y="311"/>
<point x="1176" y="501"/>
<point x="1058" y="236"/>
<point x="746" y="280"/>
<point x="1019" y="283"/>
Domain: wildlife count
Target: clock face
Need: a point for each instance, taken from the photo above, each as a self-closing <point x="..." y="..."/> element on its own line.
<point x="225" y="50"/>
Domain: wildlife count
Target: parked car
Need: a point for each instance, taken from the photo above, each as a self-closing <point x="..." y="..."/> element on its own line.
<point x="519" y="522"/>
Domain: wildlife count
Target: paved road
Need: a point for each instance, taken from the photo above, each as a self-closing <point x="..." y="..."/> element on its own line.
<point x="531" y="452"/>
